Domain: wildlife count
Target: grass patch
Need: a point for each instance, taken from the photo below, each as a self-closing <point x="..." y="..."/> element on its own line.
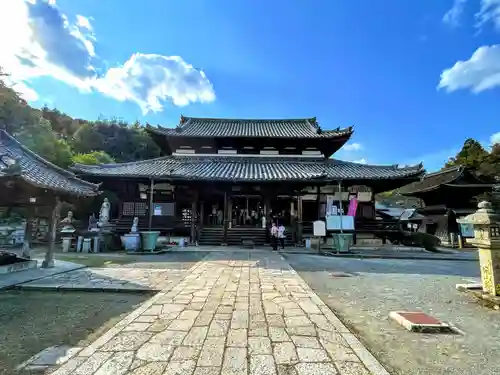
<point x="95" y="260"/>
<point x="31" y="321"/>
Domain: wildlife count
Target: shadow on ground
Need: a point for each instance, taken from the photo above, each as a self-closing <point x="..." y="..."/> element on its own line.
<point x="316" y="263"/>
<point x="31" y="321"/>
<point x="378" y="286"/>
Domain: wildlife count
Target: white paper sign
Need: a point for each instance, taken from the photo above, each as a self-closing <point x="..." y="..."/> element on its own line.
<point x="319" y="228"/>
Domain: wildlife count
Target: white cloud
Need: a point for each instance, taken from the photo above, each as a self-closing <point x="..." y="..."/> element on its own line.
<point x="151" y="79"/>
<point x="489" y="12"/>
<point x="45" y="43"/>
<point x="481" y="72"/>
<point x="452" y="16"/>
<point x="84" y="22"/>
<point x="495" y="138"/>
<point x="360" y="161"/>
<point x="352" y="147"/>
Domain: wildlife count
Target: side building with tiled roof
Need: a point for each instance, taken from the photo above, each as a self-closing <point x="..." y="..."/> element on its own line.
<point x="448" y="194"/>
<point x="218" y="176"/>
<point x="29" y="181"/>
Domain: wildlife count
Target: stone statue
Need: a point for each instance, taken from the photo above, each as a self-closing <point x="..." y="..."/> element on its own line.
<point x="135" y="225"/>
<point x="67" y="222"/>
<point x="104" y="212"/>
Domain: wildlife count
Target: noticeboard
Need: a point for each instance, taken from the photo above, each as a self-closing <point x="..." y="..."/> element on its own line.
<point x="319" y="228"/>
<point x="337" y="222"/>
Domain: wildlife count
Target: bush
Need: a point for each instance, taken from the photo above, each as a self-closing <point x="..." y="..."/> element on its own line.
<point x="428" y="241"/>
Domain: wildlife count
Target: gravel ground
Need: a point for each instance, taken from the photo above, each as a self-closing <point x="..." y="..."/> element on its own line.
<point x="377" y="286"/>
<point x="33" y="321"/>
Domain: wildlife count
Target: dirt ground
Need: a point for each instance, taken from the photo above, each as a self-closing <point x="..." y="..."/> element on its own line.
<point x="31" y="321"/>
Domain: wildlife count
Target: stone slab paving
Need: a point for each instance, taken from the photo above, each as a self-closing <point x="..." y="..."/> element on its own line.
<point x="110" y="279"/>
<point x="236" y="313"/>
<point x="60" y="266"/>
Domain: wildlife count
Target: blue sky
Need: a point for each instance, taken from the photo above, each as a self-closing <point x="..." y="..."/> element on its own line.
<point x="414" y="78"/>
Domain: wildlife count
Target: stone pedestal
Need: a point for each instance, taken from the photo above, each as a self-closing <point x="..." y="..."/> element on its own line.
<point x="487" y="239"/>
<point x="86" y="245"/>
<point x="97" y="244"/>
<point x="79" y="243"/>
<point x="66" y="244"/>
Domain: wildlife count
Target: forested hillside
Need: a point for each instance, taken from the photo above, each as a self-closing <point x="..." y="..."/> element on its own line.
<point x="64" y="140"/>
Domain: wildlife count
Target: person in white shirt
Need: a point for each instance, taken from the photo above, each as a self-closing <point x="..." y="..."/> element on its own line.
<point x="281" y="235"/>
<point x="274" y="236"/>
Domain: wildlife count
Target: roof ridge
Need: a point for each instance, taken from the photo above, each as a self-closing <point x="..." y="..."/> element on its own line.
<point x="394" y="166"/>
<point x="259" y="119"/>
<point x="445" y="170"/>
<point x="64" y="172"/>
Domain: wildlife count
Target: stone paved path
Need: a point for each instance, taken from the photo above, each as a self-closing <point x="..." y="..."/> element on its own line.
<point x="113" y="279"/>
<point x="234" y="314"/>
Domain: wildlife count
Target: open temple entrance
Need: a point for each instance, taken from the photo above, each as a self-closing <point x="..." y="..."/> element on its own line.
<point x="282" y="208"/>
<point x="212" y="211"/>
<point x="247" y="210"/>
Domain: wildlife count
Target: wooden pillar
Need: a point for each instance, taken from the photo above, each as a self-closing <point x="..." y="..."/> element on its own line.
<point x="267" y="214"/>
<point x="226" y="216"/>
<point x="229" y="212"/>
<point x="194" y="214"/>
<point x="299" y="219"/>
<point x="151" y="208"/>
<point x="48" y="262"/>
<point x="28" y="233"/>
<point x="202" y="213"/>
<point x="318" y="201"/>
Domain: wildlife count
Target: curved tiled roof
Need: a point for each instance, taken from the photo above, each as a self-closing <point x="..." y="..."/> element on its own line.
<point x="39" y="172"/>
<point x="244" y="168"/>
<point x="447" y="176"/>
<point x="271" y="128"/>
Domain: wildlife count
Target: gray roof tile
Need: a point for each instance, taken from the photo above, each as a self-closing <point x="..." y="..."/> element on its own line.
<point x="431" y="181"/>
<point x="39" y="172"/>
<point x="275" y="128"/>
<point x="241" y="168"/>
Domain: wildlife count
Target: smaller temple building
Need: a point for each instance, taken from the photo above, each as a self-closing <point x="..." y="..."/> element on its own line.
<point x="447" y="195"/>
<point x="220" y="178"/>
<point x="30" y="182"/>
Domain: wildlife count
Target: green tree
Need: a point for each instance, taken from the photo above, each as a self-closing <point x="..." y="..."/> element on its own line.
<point x="40" y="139"/>
<point x="93" y="158"/>
<point x="119" y="140"/>
<point x="471" y="155"/>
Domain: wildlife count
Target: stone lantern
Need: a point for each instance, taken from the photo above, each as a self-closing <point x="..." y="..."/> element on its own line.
<point x="487" y="239"/>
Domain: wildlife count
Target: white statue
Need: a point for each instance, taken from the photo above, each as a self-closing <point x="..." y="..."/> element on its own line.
<point x="104" y="213"/>
<point x="135" y="225"/>
<point x="67" y="222"/>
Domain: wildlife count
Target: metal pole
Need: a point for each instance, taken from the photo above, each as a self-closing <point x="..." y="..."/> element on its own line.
<point x="151" y="192"/>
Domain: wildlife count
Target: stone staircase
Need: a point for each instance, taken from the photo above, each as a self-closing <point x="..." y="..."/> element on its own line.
<point x="238" y="236"/>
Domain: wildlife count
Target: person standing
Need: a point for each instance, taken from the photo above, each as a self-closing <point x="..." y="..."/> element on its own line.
<point x="281" y="235"/>
<point x="274" y="236"/>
